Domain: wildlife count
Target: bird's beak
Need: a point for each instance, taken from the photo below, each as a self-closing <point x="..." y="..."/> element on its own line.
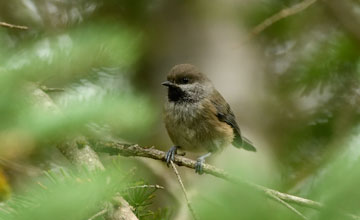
<point x="168" y="84"/>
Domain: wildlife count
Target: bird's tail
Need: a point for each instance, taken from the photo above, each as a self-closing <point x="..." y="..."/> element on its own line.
<point x="247" y="145"/>
<point x="242" y="142"/>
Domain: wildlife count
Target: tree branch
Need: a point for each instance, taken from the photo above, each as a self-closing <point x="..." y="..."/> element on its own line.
<point x="147" y="187"/>
<point x="4" y="24"/>
<point x="47" y="89"/>
<point x="286" y="12"/>
<point x="122" y="210"/>
<point x="78" y="152"/>
<point x="134" y="150"/>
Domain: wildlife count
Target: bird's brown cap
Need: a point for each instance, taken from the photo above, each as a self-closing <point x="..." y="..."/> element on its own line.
<point x="186" y="73"/>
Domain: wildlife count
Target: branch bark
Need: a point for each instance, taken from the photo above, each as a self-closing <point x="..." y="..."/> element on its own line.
<point x="134" y="150"/>
<point x="122" y="210"/>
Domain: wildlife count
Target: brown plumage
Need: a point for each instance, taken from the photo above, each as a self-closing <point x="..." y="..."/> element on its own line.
<point x="196" y="116"/>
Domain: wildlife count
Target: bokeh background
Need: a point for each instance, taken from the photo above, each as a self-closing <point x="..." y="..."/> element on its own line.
<point x="294" y="88"/>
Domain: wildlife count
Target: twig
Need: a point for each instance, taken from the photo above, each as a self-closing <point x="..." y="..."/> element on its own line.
<point x="184" y="191"/>
<point x="286" y="12"/>
<point x="42" y="185"/>
<point x="134" y="150"/>
<point x="47" y="89"/>
<point x="147" y="186"/>
<point x="290" y="207"/>
<point x="4" y="210"/>
<point x="102" y="212"/>
<point x="4" y="24"/>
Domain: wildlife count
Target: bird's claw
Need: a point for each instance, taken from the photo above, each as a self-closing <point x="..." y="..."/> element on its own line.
<point x="199" y="166"/>
<point x="170" y="155"/>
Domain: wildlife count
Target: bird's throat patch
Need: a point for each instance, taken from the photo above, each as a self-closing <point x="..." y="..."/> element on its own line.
<point x="175" y="94"/>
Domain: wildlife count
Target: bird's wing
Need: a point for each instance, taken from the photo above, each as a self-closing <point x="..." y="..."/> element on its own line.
<point x="225" y="114"/>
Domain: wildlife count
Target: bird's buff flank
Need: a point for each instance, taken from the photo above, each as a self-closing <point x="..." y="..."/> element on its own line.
<point x="197" y="117"/>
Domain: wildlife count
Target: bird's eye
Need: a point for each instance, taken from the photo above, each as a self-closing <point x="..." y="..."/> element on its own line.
<point x="185" y="80"/>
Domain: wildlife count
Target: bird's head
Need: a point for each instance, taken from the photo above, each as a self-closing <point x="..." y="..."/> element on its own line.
<point x="187" y="84"/>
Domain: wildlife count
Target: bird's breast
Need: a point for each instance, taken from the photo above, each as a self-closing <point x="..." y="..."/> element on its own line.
<point x="194" y="127"/>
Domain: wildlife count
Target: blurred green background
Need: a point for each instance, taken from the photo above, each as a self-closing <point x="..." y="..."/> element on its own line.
<point x="294" y="88"/>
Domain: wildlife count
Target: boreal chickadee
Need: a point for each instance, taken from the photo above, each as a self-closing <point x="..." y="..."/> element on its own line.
<point x="197" y="117"/>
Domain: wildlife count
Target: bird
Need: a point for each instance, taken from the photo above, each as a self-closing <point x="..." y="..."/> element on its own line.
<point x="197" y="117"/>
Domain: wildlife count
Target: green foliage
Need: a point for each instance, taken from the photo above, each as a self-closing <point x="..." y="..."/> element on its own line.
<point x="65" y="195"/>
<point x="332" y="61"/>
<point x="71" y="194"/>
<point x="63" y="60"/>
<point x="141" y="198"/>
<point x="103" y="55"/>
<point x="93" y="62"/>
<point x="292" y="26"/>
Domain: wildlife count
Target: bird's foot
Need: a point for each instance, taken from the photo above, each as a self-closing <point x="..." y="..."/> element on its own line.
<point x="199" y="165"/>
<point x="169" y="156"/>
